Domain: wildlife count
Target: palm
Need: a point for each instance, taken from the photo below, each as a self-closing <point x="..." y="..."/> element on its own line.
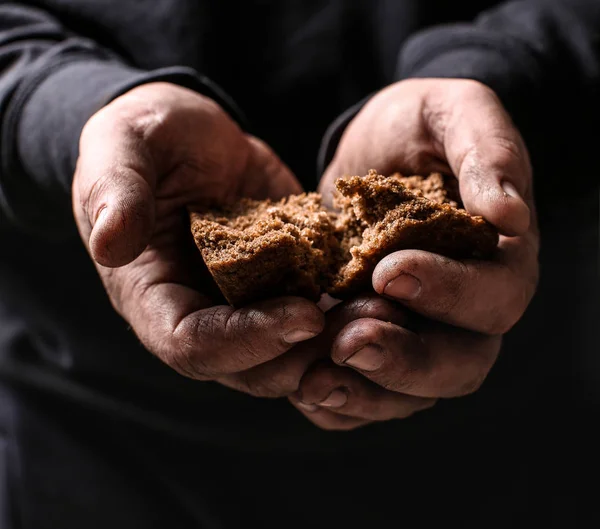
<point x="193" y="154"/>
<point x="241" y="167"/>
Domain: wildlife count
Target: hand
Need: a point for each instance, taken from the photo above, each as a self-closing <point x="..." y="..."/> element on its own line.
<point x="419" y="126"/>
<point x="143" y="160"/>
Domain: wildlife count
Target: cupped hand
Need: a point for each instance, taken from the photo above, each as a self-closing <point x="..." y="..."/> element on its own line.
<point x="457" y="310"/>
<point x="144" y="160"/>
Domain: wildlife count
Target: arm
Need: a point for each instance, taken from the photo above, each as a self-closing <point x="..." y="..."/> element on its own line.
<point x="51" y="82"/>
<point x="126" y="152"/>
<point x="535" y="55"/>
<point x="538" y="60"/>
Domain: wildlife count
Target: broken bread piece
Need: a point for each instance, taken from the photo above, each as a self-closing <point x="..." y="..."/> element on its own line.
<point x="381" y="215"/>
<point x="261" y="249"/>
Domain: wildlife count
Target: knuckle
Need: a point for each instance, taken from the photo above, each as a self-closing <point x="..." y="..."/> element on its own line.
<point x="211" y="322"/>
<point x="365" y="331"/>
<point x="184" y="356"/>
<point x="239" y="328"/>
<point x="375" y="305"/>
<point x="177" y="360"/>
<point x="143" y="120"/>
<point x="403" y="371"/>
<point x="187" y="347"/>
<point x="359" y="306"/>
<point x="396" y="380"/>
<point x="504" y="153"/>
<point x="452" y="276"/>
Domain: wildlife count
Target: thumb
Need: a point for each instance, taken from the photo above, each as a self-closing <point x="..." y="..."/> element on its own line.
<point x="113" y="195"/>
<point x="489" y="157"/>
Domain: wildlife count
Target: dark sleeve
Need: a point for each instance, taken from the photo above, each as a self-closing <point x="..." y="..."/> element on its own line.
<point x="538" y="56"/>
<point x="542" y="58"/>
<point x="51" y="82"/>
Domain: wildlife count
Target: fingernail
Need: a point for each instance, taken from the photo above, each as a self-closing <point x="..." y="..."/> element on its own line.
<point x="299" y="335"/>
<point x="307" y="407"/>
<point x="405" y="286"/>
<point x="510" y="190"/>
<point x="336" y="399"/>
<point x="369" y="358"/>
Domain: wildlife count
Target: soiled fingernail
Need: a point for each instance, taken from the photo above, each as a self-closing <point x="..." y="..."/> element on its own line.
<point x="299" y="335"/>
<point x="510" y="190"/>
<point x="369" y="358"/>
<point x="307" y="407"/>
<point x="336" y="399"/>
<point x="405" y="287"/>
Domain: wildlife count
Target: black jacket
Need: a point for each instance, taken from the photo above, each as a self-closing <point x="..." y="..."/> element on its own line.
<point x="285" y="70"/>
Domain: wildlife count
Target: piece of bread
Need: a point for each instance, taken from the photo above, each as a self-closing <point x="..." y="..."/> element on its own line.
<point x="260" y="249"/>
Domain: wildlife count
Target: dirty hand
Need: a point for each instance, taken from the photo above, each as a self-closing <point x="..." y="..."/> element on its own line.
<point x="441" y="331"/>
<point x="144" y="158"/>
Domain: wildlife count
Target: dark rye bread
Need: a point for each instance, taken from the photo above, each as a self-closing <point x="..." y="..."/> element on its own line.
<point x="260" y="249"/>
<point x="383" y="215"/>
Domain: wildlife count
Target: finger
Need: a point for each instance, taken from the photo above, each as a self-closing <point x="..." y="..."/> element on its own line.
<point x="328" y="420"/>
<point x="347" y="392"/>
<point x="218" y="340"/>
<point x="485" y="151"/>
<point x="440" y="361"/>
<point x="200" y="341"/>
<point x="266" y="175"/>
<point x="483" y="296"/>
<point x="281" y="376"/>
<point x="113" y="190"/>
